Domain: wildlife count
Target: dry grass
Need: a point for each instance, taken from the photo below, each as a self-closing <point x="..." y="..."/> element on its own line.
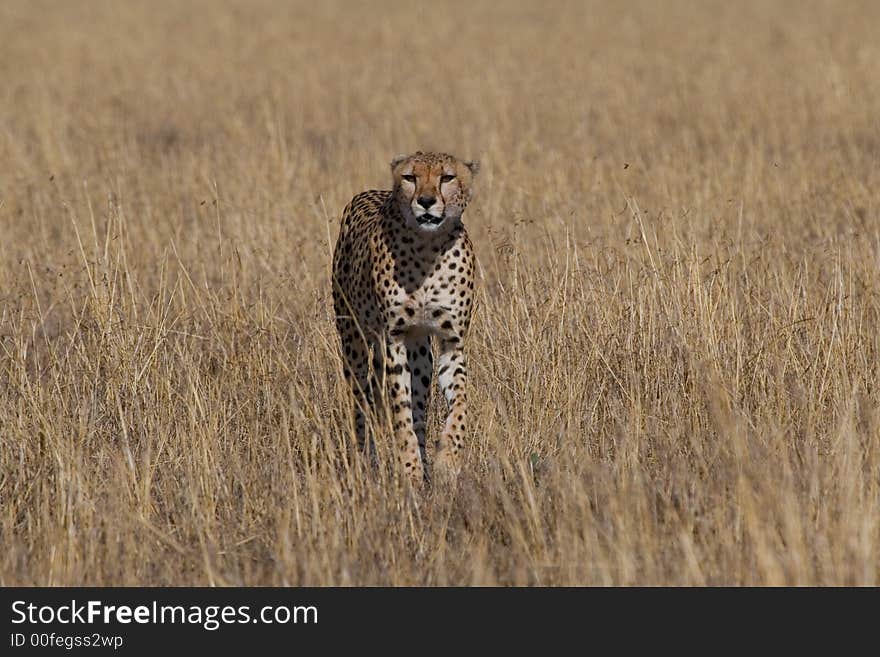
<point x="675" y="352"/>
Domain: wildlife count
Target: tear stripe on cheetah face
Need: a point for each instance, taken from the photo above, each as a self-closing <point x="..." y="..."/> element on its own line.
<point x="432" y="189"/>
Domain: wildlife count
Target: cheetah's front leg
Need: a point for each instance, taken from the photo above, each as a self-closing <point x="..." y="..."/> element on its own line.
<point x="399" y="382"/>
<point x="452" y="377"/>
<point x="421" y="365"/>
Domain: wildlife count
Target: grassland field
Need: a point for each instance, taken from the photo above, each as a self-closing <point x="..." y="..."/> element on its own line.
<point x="674" y="355"/>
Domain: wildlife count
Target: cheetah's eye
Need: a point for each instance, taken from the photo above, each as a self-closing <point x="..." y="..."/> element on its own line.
<point x="447" y="178"/>
<point x="409" y="178"/>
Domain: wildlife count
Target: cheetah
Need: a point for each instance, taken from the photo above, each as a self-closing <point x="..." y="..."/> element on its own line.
<point x="403" y="272"/>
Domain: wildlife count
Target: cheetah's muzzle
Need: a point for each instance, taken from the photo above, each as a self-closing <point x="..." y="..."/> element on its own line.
<point x="430" y="220"/>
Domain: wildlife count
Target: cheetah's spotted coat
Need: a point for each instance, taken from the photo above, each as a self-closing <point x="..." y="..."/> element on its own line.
<point x="403" y="271"/>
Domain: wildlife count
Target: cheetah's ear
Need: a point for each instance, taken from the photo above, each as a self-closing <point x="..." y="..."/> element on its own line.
<point x="474" y="166"/>
<point x="397" y="160"/>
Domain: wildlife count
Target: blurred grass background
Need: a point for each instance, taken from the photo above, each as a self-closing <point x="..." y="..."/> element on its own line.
<point x="675" y="351"/>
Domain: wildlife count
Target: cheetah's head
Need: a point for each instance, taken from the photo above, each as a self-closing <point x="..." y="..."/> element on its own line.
<point x="432" y="189"/>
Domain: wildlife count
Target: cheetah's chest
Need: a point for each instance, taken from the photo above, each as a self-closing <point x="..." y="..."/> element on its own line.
<point x="423" y="288"/>
<point x="428" y="306"/>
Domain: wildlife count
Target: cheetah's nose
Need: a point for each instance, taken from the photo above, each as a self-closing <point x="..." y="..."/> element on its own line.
<point x="426" y="201"/>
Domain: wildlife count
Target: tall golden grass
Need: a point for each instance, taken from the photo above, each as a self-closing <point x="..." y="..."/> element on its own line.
<point x="675" y="350"/>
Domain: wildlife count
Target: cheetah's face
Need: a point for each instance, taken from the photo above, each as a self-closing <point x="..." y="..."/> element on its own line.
<point x="432" y="189"/>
